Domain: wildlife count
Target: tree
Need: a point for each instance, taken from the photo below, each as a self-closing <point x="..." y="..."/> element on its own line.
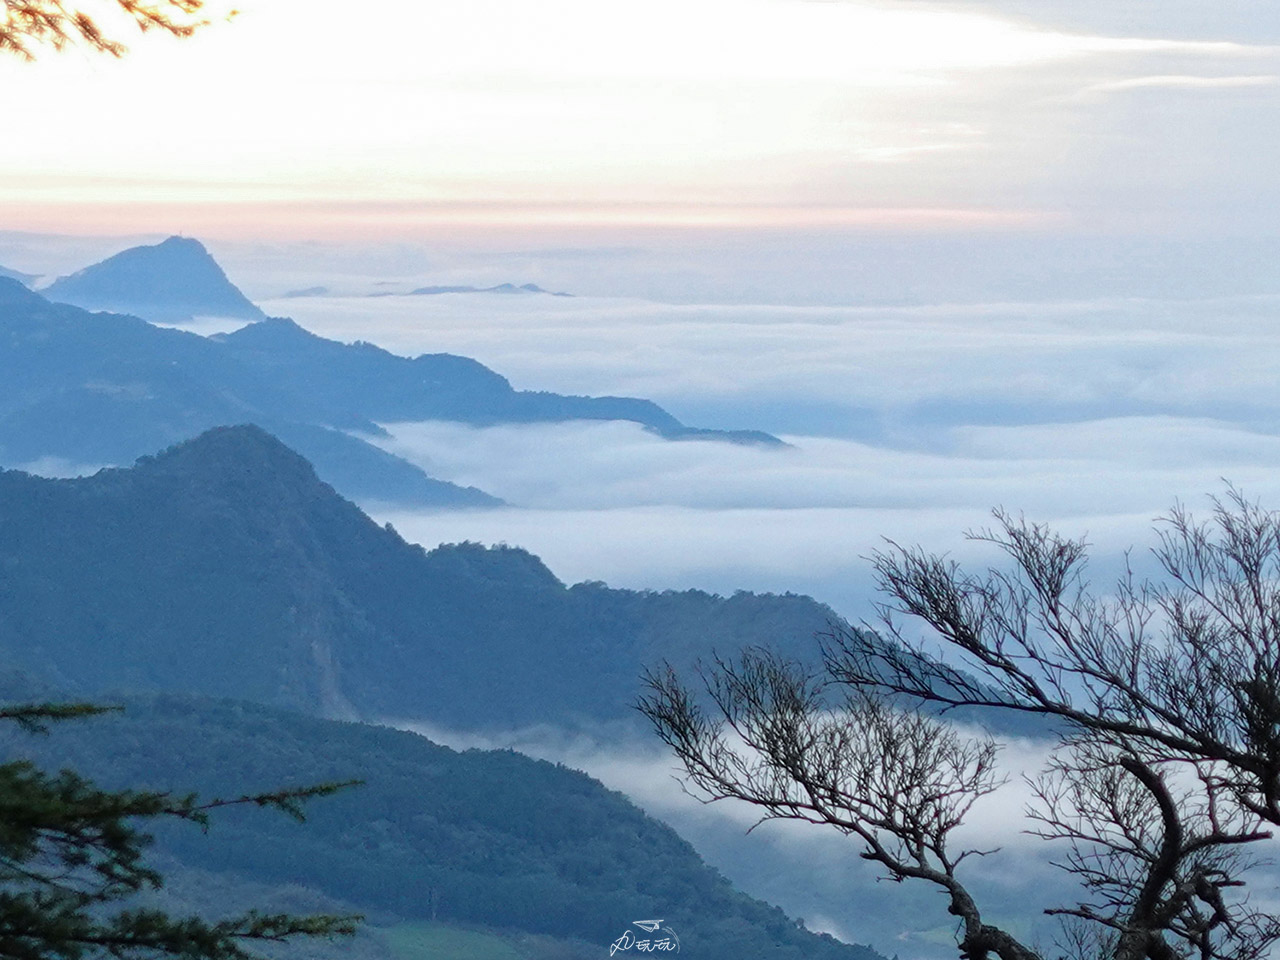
<point x="28" y="23"/>
<point x="71" y="862"/>
<point x="1162" y="697"/>
<point x="1187" y="665"/>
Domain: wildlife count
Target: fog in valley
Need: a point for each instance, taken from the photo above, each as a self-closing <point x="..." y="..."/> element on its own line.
<point x="899" y="421"/>
<point x="925" y="260"/>
<point x="907" y="422"/>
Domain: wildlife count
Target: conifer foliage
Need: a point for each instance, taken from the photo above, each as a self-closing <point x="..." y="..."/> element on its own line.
<point x="72" y="865"/>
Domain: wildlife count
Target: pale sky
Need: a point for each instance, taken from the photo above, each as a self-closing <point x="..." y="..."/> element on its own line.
<point x="302" y="119"/>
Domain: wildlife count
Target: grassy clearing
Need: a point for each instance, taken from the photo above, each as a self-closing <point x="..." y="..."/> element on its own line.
<point x="439" y="941"/>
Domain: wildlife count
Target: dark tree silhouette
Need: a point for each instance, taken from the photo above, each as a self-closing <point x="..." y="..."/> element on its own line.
<point x="1186" y="665"/>
<point x="1161" y="696"/>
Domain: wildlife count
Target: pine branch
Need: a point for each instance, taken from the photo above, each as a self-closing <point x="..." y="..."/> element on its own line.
<point x="35" y="717"/>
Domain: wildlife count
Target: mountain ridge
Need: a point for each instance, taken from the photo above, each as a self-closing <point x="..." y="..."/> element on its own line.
<point x="170" y="281"/>
<point x="23" y="278"/>
<point x="96" y="388"/>
<point x="108" y="388"/>
<point x="507" y="289"/>
<point x="224" y="566"/>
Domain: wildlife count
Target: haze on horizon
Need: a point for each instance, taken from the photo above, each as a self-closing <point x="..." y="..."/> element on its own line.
<point x="301" y="120"/>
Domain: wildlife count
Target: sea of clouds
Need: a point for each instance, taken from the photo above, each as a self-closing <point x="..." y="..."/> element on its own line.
<point x="906" y="422"/>
<point x="910" y="422"/>
<point x="911" y="367"/>
<point x="903" y="422"/>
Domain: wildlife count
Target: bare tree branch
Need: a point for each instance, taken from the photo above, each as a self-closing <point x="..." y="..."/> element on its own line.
<point x="1189" y="664"/>
<point x="1164" y="696"/>
<point x="897" y="782"/>
<point x="27" y="24"/>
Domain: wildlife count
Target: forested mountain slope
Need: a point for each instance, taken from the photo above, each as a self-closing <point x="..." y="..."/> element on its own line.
<point x="100" y="388"/>
<point x="224" y="566"/>
<point x="481" y="837"/>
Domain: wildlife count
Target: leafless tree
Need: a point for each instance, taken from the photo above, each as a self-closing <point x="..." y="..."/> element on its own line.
<point x="27" y="24"/>
<point x="1160" y="863"/>
<point x="1188" y="664"/>
<point x="1161" y="695"/>
<point x="900" y="783"/>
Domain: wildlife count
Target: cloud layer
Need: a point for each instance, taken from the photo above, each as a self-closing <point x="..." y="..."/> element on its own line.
<point x="859" y="372"/>
<point x="697" y="112"/>
<point x="609" y="502"/>
<point x="1093" y="415"/>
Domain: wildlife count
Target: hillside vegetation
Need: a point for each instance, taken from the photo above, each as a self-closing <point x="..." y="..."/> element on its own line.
<point x="225" y="567"/>
<point x="475" y="838"/>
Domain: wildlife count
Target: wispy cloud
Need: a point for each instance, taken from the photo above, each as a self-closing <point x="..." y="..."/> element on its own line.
<point x="1176" y="82"/>
<point x="680" y="107"/>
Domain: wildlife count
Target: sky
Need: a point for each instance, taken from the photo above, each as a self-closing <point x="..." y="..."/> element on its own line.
<point x="958" y="255"/>
<point x="302" y="119"/>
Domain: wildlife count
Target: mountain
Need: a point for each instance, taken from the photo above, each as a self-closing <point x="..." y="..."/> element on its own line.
<point x="225" y="567"/>
<point x="171" y="281"/>
<point x="102" y="388"/>
<point x="361" y="382"/>
<point x="105" y="388"/>
<point x="481" y="837"/>
<point x="23" y="278"/>
<point x="367" y="473"/>
<point x="503" y="288"/>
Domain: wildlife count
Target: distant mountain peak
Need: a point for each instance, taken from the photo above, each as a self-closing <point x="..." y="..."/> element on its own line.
<point x="177" y="240"/>
<point x="507" y="289"/>
<point x="175" y="279"/>
<point x="272" y="332"/>
<point x="242" y="449"/>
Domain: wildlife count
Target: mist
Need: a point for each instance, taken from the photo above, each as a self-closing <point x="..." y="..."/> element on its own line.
<point x="894" y="374"/>
<point x="902" y="422"/>
<point x="810" y="870"/>
<point x="957" y="257"/>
